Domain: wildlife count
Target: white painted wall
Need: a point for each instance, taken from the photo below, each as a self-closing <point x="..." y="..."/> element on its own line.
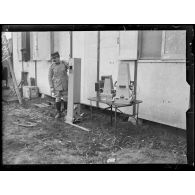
<point x="89" y="70"/>
<point x="62" y="44"/>
<point x="42" y="77"/>
<point x="128" y="45"/>
<point x="165" y="93"/>
<point x="161" y="84"/>
<point x="111" y="52"/>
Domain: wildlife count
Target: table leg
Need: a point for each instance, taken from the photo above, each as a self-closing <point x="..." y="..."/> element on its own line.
<point x="91" y="110"/>
<point x="111" y="114"/>
<point x="120" y="111"/>
<point x="137" y="114"/>
<point x="115" y="117"/>
<point x="137" y="110"/>
<point x="107" y="108"/>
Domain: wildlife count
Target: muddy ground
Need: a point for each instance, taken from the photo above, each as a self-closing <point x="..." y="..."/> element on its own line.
<point x="51" y="141"/>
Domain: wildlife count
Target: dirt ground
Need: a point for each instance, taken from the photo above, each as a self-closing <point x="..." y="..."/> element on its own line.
<point x="51" y="141"/>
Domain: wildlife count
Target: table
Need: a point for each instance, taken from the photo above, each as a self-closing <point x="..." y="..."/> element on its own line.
<point x="116" y="106"/>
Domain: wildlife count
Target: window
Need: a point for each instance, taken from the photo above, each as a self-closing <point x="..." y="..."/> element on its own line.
<point x="23" y="42"/>
<point x="174" y="44"/>
<point x="150" y="47"/>
<point x="26" y="45"/>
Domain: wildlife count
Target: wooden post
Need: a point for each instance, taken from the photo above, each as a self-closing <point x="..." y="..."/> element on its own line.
<point x="98" y="65"/>
<point x="190" y="112"/>
<point x="22" y="54"/>
<point x="135" y="86"/>
<point x="135" y="70"/>
<point x="35" y="72"/>
<point x="52" y="42"/>
<point x="14" y="81"/>
<point x="71" y="44"/>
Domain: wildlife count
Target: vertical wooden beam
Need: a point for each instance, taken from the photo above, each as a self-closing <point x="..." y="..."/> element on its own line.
<point x="71" y="44"/>
<point x="52" y="41"/>
<point x="163" y="43"/>
<point x="35" y="72"/>
<point x="12" y="55"/>
<point x="135" y="71"/>
<point x="34" y="51"/>
<point x="6" y="57"/>
<point x="22" y="54"/>
<point x="139" y="45"/>
<point x="98" y="64"/>
<point x="190" y="112"/>
<point x="190" y="134"/>
<point x="135" y="86"/>
<point x="14" y="81"/>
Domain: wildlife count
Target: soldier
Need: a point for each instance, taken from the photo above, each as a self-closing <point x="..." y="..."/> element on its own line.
<point x="58" y="81"/>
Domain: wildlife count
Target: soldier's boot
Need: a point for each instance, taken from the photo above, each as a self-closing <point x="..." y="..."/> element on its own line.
<point x="65" y="110"/>
<point x="65" y="106"/>
<point x="58" y="108"/>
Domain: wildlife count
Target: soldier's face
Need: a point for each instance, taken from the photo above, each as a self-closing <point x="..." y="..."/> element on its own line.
<point x="56" y="60"/>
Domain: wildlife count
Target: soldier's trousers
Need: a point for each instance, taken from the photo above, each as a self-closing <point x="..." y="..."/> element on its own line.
<point x="61" y="94"/>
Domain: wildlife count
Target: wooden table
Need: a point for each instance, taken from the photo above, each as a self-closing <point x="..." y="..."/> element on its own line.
<point x="116" y="107"/>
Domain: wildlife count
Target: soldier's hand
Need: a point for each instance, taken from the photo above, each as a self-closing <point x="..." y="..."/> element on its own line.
<point x="52" y="90"/>
<point x="66" y="64"/>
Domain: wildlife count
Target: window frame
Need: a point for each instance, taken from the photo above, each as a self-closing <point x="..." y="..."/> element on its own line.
<point x="140" y="44"/>
<point x="165" y="56"/>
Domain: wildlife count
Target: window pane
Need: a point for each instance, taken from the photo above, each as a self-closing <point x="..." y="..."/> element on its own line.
<point x="174" y="44"/>
<point x="151" y="44"/>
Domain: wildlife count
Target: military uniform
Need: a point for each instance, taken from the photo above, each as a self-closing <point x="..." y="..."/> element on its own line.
<point x="58" y="80"/>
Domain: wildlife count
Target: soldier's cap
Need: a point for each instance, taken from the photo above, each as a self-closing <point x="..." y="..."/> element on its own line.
<point x="55" y="55"/>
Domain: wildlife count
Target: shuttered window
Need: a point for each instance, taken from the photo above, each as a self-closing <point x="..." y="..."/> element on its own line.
<point x="23" y="42"/>
<point x="26" y="45"/>
<point x="151" y="43"/>
<point x="163" y="45"/>
<point x="37" y="45"/>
